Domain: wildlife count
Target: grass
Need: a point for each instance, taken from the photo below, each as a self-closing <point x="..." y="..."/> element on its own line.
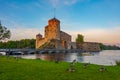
<point x="118" y="63"/>
<point x="27" y="69"/>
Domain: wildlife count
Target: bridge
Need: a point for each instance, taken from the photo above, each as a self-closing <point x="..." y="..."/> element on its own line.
<point x="41" y="51"/>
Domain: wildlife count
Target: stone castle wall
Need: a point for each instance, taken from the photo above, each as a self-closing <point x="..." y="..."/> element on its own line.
<point x="40" y="42"/>
<point x="52" y="31"/>
<point x="88" y="46"/>
<point x="66" y="39"/>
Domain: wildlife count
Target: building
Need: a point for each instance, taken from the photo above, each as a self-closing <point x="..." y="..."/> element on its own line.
<point x="53" y="36"/>
<point x="88" y="46"/>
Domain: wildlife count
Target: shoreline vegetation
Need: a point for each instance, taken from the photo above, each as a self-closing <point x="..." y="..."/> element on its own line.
<point x="28" y="69"/>
<point x="30" y="43"/>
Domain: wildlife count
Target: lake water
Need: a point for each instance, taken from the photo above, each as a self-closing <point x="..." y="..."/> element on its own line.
<point x="105" y="57"/>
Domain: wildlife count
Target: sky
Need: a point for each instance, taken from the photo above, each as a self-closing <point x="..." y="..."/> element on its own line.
<point x="96" y="20"/>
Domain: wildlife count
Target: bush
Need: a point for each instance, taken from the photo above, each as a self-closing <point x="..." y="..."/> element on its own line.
<point x="118" y="63"/>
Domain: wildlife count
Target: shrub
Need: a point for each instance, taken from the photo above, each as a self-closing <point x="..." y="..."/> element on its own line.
<point x="118" y="63"/>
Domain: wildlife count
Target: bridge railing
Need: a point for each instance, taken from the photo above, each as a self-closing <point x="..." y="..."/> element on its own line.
<point x="42" y="50"/>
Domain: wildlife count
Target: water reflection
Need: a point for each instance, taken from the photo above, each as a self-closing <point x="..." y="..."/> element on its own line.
<point x="106" y="57"/>
<point x="51" y="57"/>
<point x="69" y="57"/>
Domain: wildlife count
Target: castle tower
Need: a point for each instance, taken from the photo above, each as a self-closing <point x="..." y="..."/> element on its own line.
<point x="52" y="31"/>
<point x="38" y="38"/>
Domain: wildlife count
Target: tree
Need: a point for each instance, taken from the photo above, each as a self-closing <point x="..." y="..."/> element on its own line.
<point x="80" y="38"/>
<point x="109" y="47"/>
<point x="4" y="33"/>
<point x="24" y="43"/>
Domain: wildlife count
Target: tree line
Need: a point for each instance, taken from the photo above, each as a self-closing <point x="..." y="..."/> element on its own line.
<point x="24" y="43"/>
<point x="109" y="47"/>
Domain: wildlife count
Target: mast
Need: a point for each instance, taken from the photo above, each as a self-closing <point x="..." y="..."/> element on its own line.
<point x="54" y="12"/>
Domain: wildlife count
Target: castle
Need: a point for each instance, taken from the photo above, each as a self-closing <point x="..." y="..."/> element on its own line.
<point x="53" y="35"/>
<point x="54" y="38"/>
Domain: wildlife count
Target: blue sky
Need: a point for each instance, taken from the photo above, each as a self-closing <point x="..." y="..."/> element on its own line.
<point x="97" y="20"/>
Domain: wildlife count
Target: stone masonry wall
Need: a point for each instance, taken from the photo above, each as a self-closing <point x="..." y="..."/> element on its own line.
<point x="52" y="31"/>
<point x="88" y="46"/>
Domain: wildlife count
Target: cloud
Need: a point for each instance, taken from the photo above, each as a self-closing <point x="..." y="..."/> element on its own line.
<point x="55" y="3"/>
<point x="19" y="31"/>
<point x="14" y="6"/>
<point x="37" y="4"/>
<point x="70" y="2"/>
<point x="99" y="35"/>
<point x="24" y="33"/>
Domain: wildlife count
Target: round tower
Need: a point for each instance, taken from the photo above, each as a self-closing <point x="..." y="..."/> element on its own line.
<point x="38" y="38"/>
<point x="52" y="31"/>
<point x="54" y="21"/>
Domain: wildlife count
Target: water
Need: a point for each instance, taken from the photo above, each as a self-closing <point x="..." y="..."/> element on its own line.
<point x="105" y="57"/>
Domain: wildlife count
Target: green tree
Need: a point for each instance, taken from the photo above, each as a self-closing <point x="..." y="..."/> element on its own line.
<point x="80" y="38"/>
<point x="109" y="47"/>
<point x="4" y="33"/>
<point x="24" y="43"/>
